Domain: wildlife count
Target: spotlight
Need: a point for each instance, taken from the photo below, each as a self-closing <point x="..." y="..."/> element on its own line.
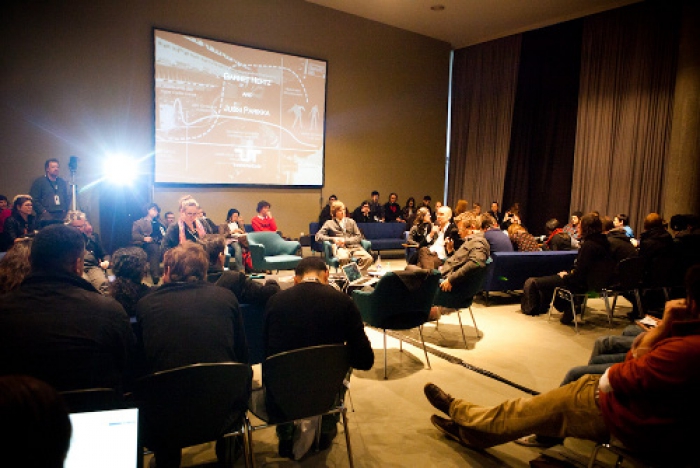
<point x="120" y="169"/>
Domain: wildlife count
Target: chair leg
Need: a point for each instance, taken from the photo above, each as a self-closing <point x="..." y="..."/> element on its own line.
<point x="639" y="302"/>
<point x="250" y="461"/>
<point x="420" y="330"/>
<point x="609" y="310"/>
<point x="461" y="327"/>
<point x="478" y="335"/>
<point x="385" y="377"/>
<point x="347" y="436"/>
<point x="551" y="304"/>
<point x="573" y="311"/>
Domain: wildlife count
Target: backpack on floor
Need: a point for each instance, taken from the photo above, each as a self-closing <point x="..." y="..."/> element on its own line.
<point x="531" y="302"/>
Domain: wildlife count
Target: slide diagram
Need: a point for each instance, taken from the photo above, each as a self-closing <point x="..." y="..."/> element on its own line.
<point x="228" y="114"/>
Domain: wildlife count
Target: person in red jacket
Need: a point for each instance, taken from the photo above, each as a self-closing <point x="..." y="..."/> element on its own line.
<point x="649" y="402"/>
<point x="264" y="220"/>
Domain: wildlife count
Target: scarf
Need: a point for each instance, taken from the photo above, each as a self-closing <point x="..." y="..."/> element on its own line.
<point x="200" y="230"/>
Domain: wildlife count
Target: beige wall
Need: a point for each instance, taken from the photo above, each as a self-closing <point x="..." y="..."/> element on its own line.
<point x="77" y="79"/>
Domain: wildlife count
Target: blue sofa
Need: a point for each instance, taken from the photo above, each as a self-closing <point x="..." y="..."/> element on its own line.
<point x="383" y="236"/>
<point x="509" y="270"/>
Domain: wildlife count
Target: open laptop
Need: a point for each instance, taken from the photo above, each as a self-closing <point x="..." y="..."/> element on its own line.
<point x="354" y="276"/>
<point x="105" y="438"/>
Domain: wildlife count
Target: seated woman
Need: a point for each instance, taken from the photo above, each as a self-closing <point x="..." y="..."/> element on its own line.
<point x="595" y="255"/>
<point x="129" y="266"/>
<point x="14" y="266"/>
<point x="408" y="213"/>
<point x="418" y="236"/>
<point x="187" y="228"/>
<point x="20" y="224"/>
<point x="148" y="233"/>
<point x="235" y="239"/>
<point x="522" y="240"/>
<point x="512" y="216"/>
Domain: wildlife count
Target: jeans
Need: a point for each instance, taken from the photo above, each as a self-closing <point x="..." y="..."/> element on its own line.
<point x="568" y="411"/>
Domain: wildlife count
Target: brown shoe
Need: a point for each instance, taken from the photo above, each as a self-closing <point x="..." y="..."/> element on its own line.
<point x="447" y="427"/>
<point x="438" y="398"/>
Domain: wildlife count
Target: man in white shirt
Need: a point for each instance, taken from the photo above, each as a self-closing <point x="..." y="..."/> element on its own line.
<point x="443" y="240"/>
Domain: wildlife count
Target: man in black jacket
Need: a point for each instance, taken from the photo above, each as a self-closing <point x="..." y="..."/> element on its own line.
<point x="246" y="290"/>
<point x="57" y="327"/>
<point x="312" y="313"/>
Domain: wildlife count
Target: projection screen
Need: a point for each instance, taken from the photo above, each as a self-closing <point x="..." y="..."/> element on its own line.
<point x="234" y="115"/>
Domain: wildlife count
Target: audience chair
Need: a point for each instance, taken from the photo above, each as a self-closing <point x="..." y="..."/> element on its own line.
<point x="90" y="399"/>
<point x="194" y="404"/>
<point x="270" y="252"/>
<point x="332" y="260"/>
<point x="662" y="273"/>
<point x="665" y="459"/>
<point x="462" y="297"/>
<point x="301" y="384"/>
<point x="630" y="273"/>
<point x="600" y="277"/>
<point x="401" y="300"/>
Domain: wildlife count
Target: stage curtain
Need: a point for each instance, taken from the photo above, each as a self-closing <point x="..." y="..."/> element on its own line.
<point x="541" y="154"/>
<point x="628" y="68"/>
<point x="484" y="78"/>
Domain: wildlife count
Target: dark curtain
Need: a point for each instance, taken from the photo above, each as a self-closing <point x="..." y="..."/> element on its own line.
<point x="627" y="84"/>
<point x="541" y="155"/>
<point x="484" y="78"/>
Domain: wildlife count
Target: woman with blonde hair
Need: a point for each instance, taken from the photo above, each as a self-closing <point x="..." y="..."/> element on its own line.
<point x="187" y="228"/>
<point x="522" y="240"/>
<point x="15" y="265"/>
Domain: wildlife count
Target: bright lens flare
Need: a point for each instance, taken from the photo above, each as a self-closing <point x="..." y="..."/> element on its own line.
<point x="120" y="169"/>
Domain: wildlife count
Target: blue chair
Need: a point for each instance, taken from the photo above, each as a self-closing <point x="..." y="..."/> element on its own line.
<point x="400" y="301"/>
<point x="269" y="251"/>
<point x="333" y="261"/>
<point x="462" y="297"/>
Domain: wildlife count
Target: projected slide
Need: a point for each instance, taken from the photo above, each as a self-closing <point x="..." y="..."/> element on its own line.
<point x="227" y="114"/>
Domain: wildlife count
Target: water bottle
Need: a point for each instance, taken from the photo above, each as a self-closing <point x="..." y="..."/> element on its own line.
<point x="379" y="263"/>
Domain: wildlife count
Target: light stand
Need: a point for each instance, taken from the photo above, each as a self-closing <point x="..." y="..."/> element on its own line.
<point x="73" y="165"/>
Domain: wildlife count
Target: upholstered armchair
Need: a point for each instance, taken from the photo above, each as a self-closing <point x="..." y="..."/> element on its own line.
<point x="269" y="251"/>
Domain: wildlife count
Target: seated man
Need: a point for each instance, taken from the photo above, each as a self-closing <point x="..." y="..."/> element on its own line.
<point x="621" y="221"/>
<point x="188" y="321"/>
<point x="326" y="211"/>
<point x="344" y="234"/>
<point x="572" y="228"/>
<point x="362" y="213"/>
<point x="648" y="402"/>
<point x="264" y="220"/>
<point x="246" y="290"/>
<point x="392" y="210"/>
<point x="498" y="239"/>
<point x="473" y="253"/>
<point x="312" y="313"/>
<point x="442" y="241"/>
<point x="96" y="259"/>
<point x="57" y="327"/>
<point x="375" y="208"/>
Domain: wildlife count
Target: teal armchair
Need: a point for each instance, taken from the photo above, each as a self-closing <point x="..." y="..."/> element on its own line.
<point x="332" y="260"/>
<point x="400" y="301"/>
<point x="462" y="297"/>
<point x="269" y="251"/>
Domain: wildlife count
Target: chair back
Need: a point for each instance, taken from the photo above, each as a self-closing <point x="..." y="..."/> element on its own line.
<point x="462" y="295"/>
<point x="90" y="399"/>
<point x="271" y="241"/>
<point x="662" y="271"/>
<point x="193" y="404"/>
<point x="630" y="273"/>
<point x="304" y="382"/>
<point x="602" y="274"/>
<point x="401" y="300"/>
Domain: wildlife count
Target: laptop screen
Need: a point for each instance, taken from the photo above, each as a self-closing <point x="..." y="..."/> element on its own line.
<point x="352" y="272"/>
<point x="108" y="439"/>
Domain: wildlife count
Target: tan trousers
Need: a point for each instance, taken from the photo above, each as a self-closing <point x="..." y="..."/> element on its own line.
<point x="568" y="411"/>
<point x="364" y="261"/>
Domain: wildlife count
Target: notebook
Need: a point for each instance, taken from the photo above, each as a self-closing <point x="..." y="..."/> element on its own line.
<point x="105" y="438"/>
<point x="354" y="277"/>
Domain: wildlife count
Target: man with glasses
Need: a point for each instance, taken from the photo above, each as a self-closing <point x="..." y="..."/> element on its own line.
<point x="50" y="193"/>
